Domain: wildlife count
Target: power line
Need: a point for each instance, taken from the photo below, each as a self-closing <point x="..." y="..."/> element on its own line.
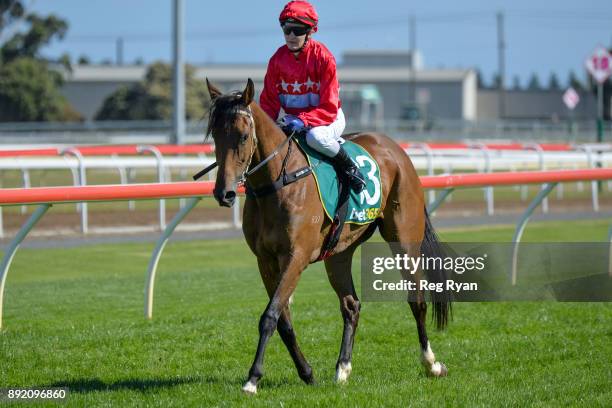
<point x="547" y="19"/>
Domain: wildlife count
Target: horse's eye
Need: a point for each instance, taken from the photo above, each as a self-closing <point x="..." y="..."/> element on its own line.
<point x="243" y="139"/>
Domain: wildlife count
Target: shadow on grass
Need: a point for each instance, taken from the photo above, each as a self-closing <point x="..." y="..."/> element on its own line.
<point x="85" y="385"/>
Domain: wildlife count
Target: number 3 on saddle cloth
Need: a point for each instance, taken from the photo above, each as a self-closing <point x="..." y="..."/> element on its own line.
<point x="340" y="203"/>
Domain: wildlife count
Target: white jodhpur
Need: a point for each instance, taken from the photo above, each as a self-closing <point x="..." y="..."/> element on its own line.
<point x="327" y="139"/>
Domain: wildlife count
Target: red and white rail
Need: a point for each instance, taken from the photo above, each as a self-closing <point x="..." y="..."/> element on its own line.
<point x="47" y="196"/>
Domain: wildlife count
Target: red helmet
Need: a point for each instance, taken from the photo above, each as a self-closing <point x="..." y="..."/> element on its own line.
<point x="301" y="11"/>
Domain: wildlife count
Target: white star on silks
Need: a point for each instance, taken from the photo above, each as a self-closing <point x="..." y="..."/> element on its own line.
<point x="296" y="86"/>
<point x="309" y="83"/>
<point x="284" y="85"/>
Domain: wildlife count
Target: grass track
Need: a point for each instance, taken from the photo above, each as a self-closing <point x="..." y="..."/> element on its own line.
<point x="74" y="318"/>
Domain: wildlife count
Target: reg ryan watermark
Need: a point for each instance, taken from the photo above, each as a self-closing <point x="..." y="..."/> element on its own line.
<point x="481" y="272"/>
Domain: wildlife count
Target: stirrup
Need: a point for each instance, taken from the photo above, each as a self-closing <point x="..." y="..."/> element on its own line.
<point x="356" y="180"/>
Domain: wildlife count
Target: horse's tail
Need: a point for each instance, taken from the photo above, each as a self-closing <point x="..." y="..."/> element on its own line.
<point x="441" y="301"/>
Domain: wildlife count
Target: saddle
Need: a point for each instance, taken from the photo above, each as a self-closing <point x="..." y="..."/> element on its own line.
<point x="344" y="189"/>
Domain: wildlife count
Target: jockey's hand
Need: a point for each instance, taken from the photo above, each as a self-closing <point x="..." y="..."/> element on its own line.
<point x="295" y="124"/>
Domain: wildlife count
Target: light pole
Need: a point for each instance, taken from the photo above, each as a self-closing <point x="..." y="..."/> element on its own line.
<point x="178" y="76"/>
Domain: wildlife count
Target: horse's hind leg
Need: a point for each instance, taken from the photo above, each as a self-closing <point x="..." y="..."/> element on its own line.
<point x="403" y="229"/>
<point x="428" y="359"/>
<point x="419" y="310"/>
<point x="339" y="273"/>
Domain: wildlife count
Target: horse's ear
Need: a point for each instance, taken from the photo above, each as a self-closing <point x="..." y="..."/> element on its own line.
<point x="249" y="92"/>
<point x="212" y="90"/>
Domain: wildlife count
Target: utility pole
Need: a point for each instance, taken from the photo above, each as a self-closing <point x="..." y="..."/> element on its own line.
<point x="178" y="77"/>
<point x="501" y="48"/>
<point x="413" y="41"/>
<point x="119" y="51"/>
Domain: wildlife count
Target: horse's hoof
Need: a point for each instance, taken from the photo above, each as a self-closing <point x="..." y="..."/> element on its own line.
<point x="342" y="373"/>
<point x="438" y="370"/>
<point x="308" y="378"/>
<point x="249" y="388"/>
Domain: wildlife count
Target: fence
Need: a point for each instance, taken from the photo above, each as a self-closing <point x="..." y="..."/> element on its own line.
<point x="445" y="157"/>
<point x="107" y="132"/>
<point x="47" y="196"/>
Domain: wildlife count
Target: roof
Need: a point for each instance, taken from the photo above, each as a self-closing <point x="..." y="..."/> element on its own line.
<point x="239" y="72"/>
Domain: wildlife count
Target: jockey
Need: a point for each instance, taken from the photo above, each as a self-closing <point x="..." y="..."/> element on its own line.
<point x="302" y="79"/>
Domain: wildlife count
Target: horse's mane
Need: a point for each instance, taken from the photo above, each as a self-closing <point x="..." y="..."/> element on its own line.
<point x="222" y="112"/>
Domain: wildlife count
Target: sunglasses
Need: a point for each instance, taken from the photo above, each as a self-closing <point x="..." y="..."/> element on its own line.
<point x="296" y="30"/>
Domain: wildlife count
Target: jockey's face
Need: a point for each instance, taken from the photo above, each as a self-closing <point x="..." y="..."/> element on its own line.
<point x="295" y="42"/>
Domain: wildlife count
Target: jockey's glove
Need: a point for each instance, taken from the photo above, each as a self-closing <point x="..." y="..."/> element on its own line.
<point x="295" y="124"/>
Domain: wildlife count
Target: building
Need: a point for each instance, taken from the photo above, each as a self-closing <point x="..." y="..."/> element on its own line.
<point x="375" y="86"/>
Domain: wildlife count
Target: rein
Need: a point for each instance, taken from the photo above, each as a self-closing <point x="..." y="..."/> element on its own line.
<point x="248" y="113"/>
<point x="282" y="180"/>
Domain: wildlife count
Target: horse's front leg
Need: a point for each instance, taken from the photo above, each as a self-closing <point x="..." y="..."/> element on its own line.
<point x="291" y="267"/>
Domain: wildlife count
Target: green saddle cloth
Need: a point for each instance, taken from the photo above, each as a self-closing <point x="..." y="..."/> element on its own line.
<point x="363" y="208"/>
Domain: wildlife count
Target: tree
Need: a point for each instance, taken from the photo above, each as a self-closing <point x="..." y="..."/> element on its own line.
<point x="28" y="44"/>
<point x="29" y="89"/>
<point x="553" y="82"/>
<point x="30" y="92"/>
<point x="574" y="82"/>
<point x="516" y="83"/>
<point x="83" y="60"/>
<point x="10" y="12"/>
<point x="151" y="99"/>
<point x="496" y="81"/>
<point x="534" y="83"/>
<point x="479" y="82"/>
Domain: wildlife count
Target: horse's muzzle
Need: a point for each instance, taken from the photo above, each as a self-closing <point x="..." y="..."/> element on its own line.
<point x="225" y="198"/>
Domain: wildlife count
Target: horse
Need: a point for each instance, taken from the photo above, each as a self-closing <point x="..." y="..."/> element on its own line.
<point x="286" y="228"/>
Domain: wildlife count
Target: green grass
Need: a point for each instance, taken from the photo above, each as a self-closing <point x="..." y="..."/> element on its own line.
<point x="73" y="317"/>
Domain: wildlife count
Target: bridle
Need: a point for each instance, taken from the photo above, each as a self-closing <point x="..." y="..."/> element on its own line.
<point x="246" y="173"/>
<point x="281" y="181"/>
<point x="249" y="114"/>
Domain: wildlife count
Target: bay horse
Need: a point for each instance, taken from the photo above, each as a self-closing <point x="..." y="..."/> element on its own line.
<point x="286" y="228"/>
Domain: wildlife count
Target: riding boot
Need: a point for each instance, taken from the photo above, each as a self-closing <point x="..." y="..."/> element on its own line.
<point x="342" y="162"/>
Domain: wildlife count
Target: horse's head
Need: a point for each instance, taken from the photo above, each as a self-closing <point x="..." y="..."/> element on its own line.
<point x="232" y="127"/>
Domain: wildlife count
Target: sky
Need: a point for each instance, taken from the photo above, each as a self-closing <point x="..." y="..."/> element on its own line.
<point x="542" y="36"/>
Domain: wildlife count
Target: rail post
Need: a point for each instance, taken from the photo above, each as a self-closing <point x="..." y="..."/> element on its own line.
<point x="591" y="163"/>
<point x="520" y="227"/>
<point x="432" y="207"/>
<point x="541" y="165"/>
<point x="14" y="245"/>
<point x="161" y="178"/>
<point x="123" y="177"/>
<point x="159" y="248"/>
<point x="429" y="158"/>
<point x="486" y="154"/>
<point x="82" y="182"/>
<point x="25" y="173"/>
